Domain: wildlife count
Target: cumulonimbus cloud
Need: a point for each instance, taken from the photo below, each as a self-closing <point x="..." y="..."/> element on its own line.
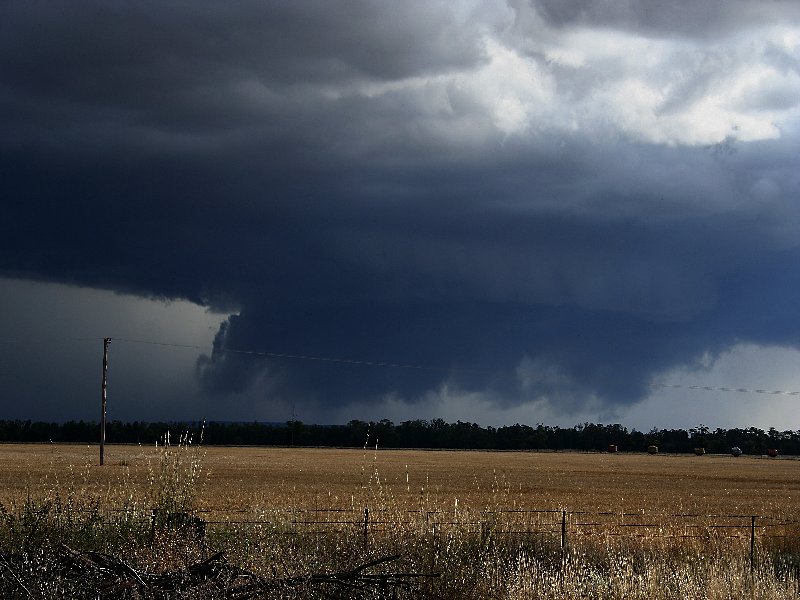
<point x="542" y="202"/>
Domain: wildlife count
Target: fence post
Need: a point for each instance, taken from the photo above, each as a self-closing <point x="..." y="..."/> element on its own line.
<point x="366" y="528"/>
<point x="434" y="547"/>
<point x="752" y="543"/>
<point x="563" y="538"/>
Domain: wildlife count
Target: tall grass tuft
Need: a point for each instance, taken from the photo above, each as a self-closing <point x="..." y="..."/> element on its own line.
<point x="177" y="479"/>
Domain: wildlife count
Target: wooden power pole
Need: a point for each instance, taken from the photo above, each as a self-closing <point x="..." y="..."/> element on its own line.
<point x="106" y="343"/>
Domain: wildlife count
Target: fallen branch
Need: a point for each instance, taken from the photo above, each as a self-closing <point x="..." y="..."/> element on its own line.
<point x="109" y="576"/>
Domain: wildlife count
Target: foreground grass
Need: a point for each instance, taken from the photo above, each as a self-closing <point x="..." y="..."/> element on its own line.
<point x="470" y="564"/>
<point x="476" y="541"/>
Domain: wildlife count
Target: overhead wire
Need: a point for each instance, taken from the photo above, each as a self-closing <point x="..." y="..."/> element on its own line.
<point x="395" y="365"/>
<point x="330" y="359"/>
<point x="710" y="388"/>
<point x="373" y="363"/>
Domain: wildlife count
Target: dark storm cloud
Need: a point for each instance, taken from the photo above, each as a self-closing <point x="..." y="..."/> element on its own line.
<point x="199" y="69"/>
<point x="373" y="183"/>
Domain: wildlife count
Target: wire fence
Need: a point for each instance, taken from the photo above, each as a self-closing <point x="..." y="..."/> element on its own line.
<point x="558" y="532"/>
<point x="557" y="522"/>
<point x="559" y="527"/>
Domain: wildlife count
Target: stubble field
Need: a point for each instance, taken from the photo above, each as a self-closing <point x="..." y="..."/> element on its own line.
<point x="234" y="478"/>
<point x="486" y="524"/>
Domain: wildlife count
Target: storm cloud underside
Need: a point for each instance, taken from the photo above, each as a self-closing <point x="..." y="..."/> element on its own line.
<point x="543" y="201"/>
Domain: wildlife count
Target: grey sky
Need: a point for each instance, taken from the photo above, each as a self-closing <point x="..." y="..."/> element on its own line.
<point x="558" y="203"/>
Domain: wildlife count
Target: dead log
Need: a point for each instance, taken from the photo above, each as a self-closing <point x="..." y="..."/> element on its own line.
<point x="109" y="577"/>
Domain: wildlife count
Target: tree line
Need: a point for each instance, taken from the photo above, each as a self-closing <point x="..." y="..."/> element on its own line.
<point x="419" y="433"/>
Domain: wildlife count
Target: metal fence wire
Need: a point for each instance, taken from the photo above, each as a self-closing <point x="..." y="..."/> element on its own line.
<point x="561" y="527"/>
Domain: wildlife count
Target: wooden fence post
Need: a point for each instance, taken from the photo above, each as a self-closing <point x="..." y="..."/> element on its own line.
<point x="366" y="529"/>
<point x="564" y="540"/>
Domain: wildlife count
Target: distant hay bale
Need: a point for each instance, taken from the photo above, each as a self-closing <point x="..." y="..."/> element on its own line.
<point x="652" y="449"/>
<point x="773" y="452"/>
<point x="612" y="448"/>
<point x="699" y="451"/>
<point x="736" y="451"/>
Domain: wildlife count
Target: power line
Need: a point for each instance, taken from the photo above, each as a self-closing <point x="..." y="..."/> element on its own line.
<point x="369" y="363"/>
<point x="61" y="339"/>
<point x="393" y="365"/>
<point x="710" y="388"/>
<point x="329" y="359"/>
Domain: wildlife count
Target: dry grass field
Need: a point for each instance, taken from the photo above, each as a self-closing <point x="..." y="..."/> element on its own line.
<point x="506" y="525"/>
<point x="233" y="478"/>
